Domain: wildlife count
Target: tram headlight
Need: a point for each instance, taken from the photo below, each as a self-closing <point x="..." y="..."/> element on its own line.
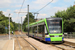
<point x="47" y="36"/>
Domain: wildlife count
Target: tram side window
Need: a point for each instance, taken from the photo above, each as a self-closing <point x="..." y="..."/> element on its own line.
<point x="41" y="29"/>
<point x="30" y="29"/>
<point x="61" y="24"/>
<point x="35" y="29"/>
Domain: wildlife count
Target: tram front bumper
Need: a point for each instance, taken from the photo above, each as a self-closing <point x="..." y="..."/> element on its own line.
<point x="56" y="38"/>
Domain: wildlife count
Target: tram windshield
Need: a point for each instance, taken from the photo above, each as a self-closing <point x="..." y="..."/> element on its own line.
<point x="55" y="26"/>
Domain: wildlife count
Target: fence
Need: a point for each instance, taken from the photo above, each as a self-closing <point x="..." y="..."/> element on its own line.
<point x="69" y="35"/>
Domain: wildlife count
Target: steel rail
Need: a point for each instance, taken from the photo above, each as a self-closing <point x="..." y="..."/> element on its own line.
<point x="29" y="43"/>
<point x="68" y="45"/>
<point x="18" y="42"/>
<point x="64" y="45"/>
<point x="57" y="46"/>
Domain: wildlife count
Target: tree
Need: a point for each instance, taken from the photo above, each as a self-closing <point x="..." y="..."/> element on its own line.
<point x="4" y="22"/>
<point x="25" y="22"/>
<point x="68" y="18"/>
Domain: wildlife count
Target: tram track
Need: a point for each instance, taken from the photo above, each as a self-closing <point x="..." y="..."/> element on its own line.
<point x="57" y="47"/>
<point x="29" y="43"/>
<point x="64" y="46"/>
<point x="70" y="44"/>
<point x="20" y="40"/>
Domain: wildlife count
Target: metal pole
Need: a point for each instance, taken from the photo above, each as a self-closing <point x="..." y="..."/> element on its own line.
<point x="18" y="26"/>
<point x="28" y="21"/>
<point x="9" y="26"/>
<point x="21" y="24"/>
<point x="36" y="16"/>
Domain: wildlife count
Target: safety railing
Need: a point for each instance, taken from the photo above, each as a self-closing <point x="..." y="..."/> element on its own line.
<point x="69" y="35"/>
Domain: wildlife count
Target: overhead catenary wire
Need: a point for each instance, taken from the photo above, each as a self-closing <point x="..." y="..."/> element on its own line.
<point x="21" y="7"/>
<point x="20" y="10"/>
<point x="44" y="6"/>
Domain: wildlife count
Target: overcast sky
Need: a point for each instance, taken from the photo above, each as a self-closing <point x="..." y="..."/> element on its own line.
<point x="11" y="6"/>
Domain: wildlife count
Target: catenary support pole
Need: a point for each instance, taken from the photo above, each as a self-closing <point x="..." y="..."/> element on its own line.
<point x="9" y="26"/>
<point x="28" y="21"/>
<point x="21" y="25"/>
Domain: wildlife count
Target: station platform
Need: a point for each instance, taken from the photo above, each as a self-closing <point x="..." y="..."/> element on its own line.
<point x="69" y="40"/>
<point x="6" y="44"/>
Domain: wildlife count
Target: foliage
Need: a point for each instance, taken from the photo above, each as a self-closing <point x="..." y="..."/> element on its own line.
<point x="25" y="22"/>
<point x="15" y="26"/>
<point x="4" y="22"/>
<point x="68" y="18"/>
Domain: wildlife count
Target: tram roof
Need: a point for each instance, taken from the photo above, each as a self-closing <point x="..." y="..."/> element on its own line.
<point x="36" y="22"/>
<point x="43" y="20"/>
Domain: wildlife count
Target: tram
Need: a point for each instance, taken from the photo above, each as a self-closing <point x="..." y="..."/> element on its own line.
<point x="48" y="29"/>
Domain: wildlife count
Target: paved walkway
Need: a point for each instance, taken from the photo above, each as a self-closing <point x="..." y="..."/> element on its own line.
<point x="6" y="44"/>
<point x="69" y="40"/>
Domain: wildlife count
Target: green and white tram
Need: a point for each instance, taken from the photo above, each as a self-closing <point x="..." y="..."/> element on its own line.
<point x="48" y="29"/>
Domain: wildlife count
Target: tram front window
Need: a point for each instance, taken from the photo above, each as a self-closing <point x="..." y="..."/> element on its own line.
<point x="55" y="26"/>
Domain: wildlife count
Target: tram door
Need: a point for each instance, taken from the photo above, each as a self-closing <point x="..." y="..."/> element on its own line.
<point x="41" y="31"/>
<point x="34" y="31"/>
